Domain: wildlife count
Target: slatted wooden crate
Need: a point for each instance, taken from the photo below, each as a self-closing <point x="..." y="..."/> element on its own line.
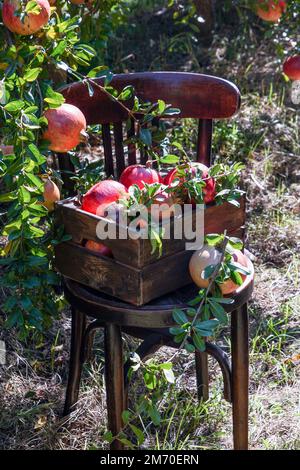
<point x="133" y="274"/>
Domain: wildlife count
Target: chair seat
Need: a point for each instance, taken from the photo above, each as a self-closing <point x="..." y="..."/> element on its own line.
<point x="155" y="314"/>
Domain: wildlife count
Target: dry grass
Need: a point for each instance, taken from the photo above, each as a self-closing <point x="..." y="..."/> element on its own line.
<point x="266" y="136"/>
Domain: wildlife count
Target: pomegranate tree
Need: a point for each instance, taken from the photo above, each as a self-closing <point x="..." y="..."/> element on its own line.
<point x="33" y="20"/>
<point x="66" y="128"/>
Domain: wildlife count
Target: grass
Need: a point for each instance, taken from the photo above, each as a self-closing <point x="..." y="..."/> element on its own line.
<point x="265" y="135"/>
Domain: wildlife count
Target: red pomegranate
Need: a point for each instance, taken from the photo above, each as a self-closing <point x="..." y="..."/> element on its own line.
<point x="66" y="128"/>
<point x="209" y="255"/>
<point x="209" y="189"/>
<point x="99" y="248"/>
<point x="31" y="23"/>
<point x="270" y="10"/>
<point x="51" y="194"/>
<point x="291" y="67"/>
<point x="139" y="175"/>
<point x="101" y="195"/>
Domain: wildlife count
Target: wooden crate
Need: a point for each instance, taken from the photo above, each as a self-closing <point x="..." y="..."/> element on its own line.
<point x="134" y="274"/>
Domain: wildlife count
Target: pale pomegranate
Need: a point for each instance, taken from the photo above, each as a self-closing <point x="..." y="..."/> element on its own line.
<point x="101" y="195"/>
<point x="209" y="190"/>
<point x="229" y="286"/>
<point x="31" y="24"/>
<point x="208" y="255"/>
<point x="270" y="10"/>
<point x="139" y="175"/>
<point x="291" y="67"/>
<point x="99" y="248"/>
<point x="51" y="194"/>
<point x="7" y="149"/>
<point x="66" y="128"/>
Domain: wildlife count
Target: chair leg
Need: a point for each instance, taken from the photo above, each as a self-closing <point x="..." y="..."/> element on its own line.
<point x="201" y="362"/>
<point x="114" y="379"/>
<point x="75" y="361"/>
<point x="240" y="376"/>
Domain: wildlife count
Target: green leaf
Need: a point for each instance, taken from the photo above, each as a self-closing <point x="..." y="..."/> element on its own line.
<point x="126" y="416"/>
<point x="236" y="243"/>
<point x="208" y="271"/>
<point x="14" y="106"/>
<point x="218" y="311"/>
<point x="179" y="316"/>
<point x="213" y="238"/>
<point x="236" y="278"/>
<point x="7" y="197"/>
<point x="176" y="330"/>
<point x="198" y="341"/>
<point x="24" y="195"/>
<point x="139" y="434"/>
<point x="108" y="437"/>
<point x="189" y="347"/>
<point x="53" y="98"/>
<point x="32" y="74"/>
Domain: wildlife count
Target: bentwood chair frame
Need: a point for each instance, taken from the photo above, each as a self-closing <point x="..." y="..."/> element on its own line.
<point x="204" y="98"/>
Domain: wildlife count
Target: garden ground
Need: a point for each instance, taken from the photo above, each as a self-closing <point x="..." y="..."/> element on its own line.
<point x="265" y="135"/>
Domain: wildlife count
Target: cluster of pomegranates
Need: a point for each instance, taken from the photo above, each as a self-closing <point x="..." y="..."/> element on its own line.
<point x="211" y="256"/>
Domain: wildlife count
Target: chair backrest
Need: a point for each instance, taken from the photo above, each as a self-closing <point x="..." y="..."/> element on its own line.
<point x="203" y="97"/>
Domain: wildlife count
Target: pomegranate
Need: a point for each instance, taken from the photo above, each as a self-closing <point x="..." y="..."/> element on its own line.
<point x="139" y="175"/>
<point x="270" y="10"/>
<point x="99" y="248"/>
<point x="31" y="23"/>
<point x="66" y="128"/>
<point x="291" y="67"/>
<point x="208" y="255"/>
<point x="162" y="207"/>
<point x="51" y="194"/>
<point x="101" y="195"/>
<point x="209" y="190"/>
<point x="7" y="149"/>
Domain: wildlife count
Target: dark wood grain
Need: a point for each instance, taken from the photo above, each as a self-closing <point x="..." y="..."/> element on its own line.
<point x="198" y="96"/>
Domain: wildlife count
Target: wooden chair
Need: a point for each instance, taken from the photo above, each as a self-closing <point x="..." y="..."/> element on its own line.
<point x="204" y="98"/>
